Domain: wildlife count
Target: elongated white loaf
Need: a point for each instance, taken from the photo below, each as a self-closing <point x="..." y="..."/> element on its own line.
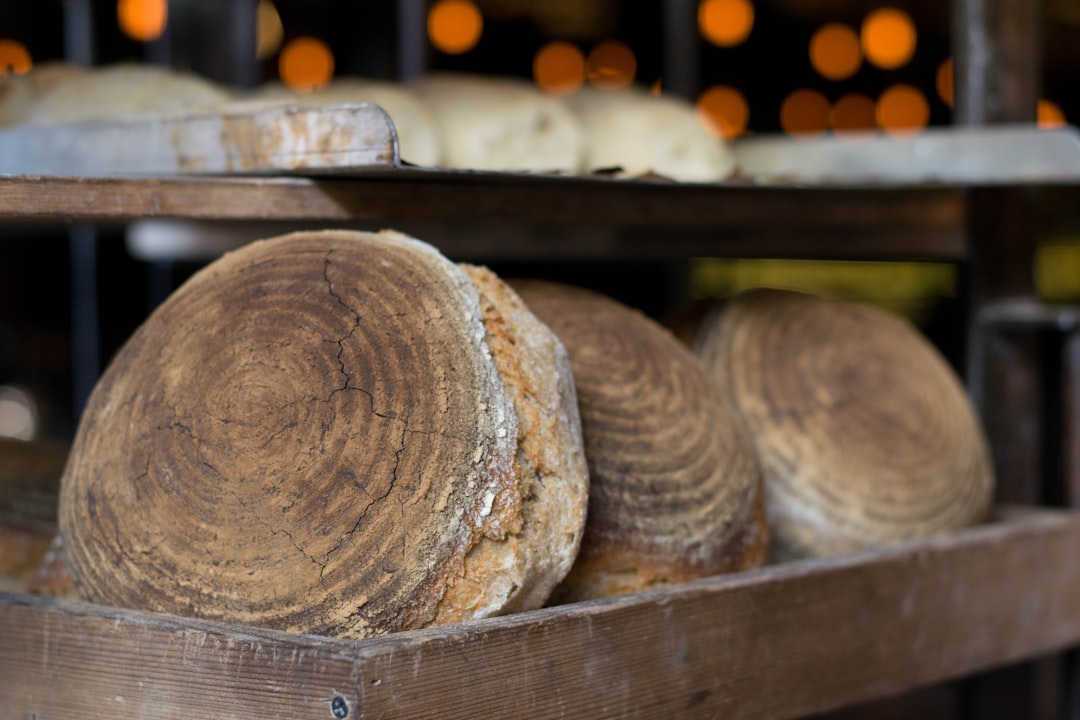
<point x="641" y="133"/>
<point x="495" y="123"/>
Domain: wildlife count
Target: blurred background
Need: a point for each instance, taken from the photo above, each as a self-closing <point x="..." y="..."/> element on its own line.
<point x="752" y="67"/>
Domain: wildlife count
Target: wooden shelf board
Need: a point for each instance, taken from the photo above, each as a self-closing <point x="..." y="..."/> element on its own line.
<point x="783" y="641"/>
<point x="664" y="218"/>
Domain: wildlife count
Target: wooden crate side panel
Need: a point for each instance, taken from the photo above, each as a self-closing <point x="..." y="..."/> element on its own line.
<point x="66" y="660"/>
<point x="782" y="642"/>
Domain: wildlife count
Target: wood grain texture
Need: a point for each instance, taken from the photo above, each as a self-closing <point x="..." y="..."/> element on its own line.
<point x="310" y="435"/>
<point x="675" y="486"/>
<point x="720" y="220"/>
<point x="865" y="435"/>
<point x="780" y="642"/>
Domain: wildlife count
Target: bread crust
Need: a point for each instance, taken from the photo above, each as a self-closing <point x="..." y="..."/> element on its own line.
<point x="498" y="123"/>
<point x="866" y="436"/>
<point x="311" y="434"/>
<point x="674" y="483"/>
<point x="541" y="531"/>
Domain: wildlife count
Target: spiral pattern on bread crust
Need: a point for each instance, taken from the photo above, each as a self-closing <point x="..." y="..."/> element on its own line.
<point x="310" y="435"/>
<point x="865" y="434"/>
<point x="674" y="484"/>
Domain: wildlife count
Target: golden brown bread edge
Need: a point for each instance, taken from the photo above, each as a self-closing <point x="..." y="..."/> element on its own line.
<point x="321" y="433"/>
<point x="675" y="488"/>
<point x="866" y="436"/>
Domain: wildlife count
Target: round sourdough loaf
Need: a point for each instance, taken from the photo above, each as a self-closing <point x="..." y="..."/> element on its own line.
<point x="18" y="93"/>
<point x="330" y="432"/>
<point x="500" y="123"/>
<point x="865" y="435"/>
<point x="126" y="90"/>
<point x="642" y="133"/>
<point x="674" y="484"/>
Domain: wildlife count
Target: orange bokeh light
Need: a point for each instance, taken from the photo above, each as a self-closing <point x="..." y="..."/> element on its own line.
<point x="852" y="113"/>
<point x="725" y="22"/>
<point x="903" y="109"/>
<point x="1049" y="114"/>
<point x="306" y="64"/>
<point x="455" y="26"/>
<point x="835" y="52"/>
<point x="943" y="81"/>
<point x="888" y="38"/>
<point x="142" y="20"/>
<point x="724" y="111"/>
<point x="559" y="68"/>
<point x="14" y="58"/>
<point x="611" y="65"/>
<point x="804" y="112"/>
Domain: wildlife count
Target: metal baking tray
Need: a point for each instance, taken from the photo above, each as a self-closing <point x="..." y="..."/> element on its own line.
<point x="359" y="140"/>
<point x="280" y="141"/>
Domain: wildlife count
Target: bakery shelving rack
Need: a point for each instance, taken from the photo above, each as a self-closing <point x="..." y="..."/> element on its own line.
<point x="782" y="641"/>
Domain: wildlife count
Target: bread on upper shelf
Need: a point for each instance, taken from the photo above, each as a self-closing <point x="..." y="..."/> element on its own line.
<point x="641" y="133"/>
<point x="18" y="93"/>
<point x="501" y="123"/>
<point x="125" y="90"/>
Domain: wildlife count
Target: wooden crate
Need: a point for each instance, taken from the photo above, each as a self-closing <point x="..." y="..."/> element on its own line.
<point x="782" y="641"/>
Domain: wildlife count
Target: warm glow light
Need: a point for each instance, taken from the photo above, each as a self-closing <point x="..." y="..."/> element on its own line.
<point x="903" y="109"/>
<point x="804" y="112"/>
<point x="834" y="51"/>
<point x="944" y="82"/>
<point x="1050" y="114"/>
<point x="611" y="65"/>
<point x="888" y="38"/>
<point x="269" y="31"/>
<point x="142" y="20"/>
<point x="656" y="89"/>
<point x="454" y="26"/>
<point x="306" y="64"/>
<point x="14" y="58"/>
<point x="559" y="68"/>
<point x="852" y="113"/>
<point x="724" y="111"/>
<point x="725" y="22"/>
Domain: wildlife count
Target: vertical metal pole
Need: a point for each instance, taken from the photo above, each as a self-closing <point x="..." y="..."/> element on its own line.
<point x="412" y="46"/>
<point x="996" y="51"/>
<point x="681" y="48"/>
<point x="78" y="32"/>
<point x="241" y="21"/>
<point x="85" y="330"/>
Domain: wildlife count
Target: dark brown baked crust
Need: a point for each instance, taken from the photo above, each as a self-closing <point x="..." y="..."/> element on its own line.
<point x="311" y="434"/>
<point x="674" y="483"/>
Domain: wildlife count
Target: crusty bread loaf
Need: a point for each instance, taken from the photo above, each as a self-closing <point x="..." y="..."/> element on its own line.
<point x="674" y="484"/>
<point x="865" y="435"/>
<point x="18" y="93"/>
<point x="120" y="91"/>
<point x="496" y="123"/>
<point x="329" y="432"/>
<point x="417" y="139"/>
<point x="642" y="133"/>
